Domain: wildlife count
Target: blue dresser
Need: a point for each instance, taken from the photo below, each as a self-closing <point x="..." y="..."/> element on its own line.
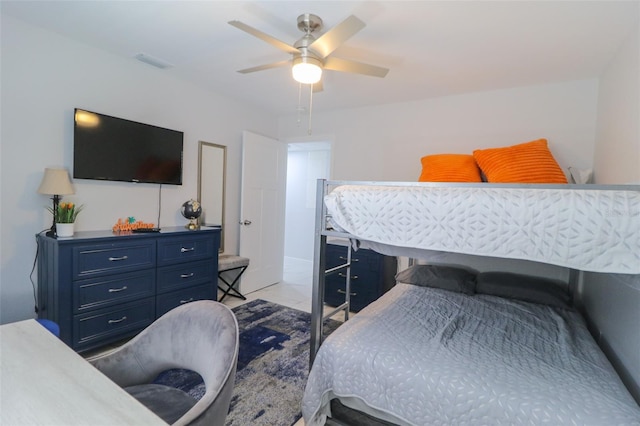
<point x="101" y="287"/>
<point x="372" y="274"/>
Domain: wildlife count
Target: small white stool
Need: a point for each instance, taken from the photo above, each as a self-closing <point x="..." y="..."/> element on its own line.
<point x="230" y="262"/>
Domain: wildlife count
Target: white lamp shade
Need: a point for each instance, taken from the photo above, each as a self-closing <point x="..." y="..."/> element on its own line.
<point x="56" y="182"/>
<point x="306" y="70"/>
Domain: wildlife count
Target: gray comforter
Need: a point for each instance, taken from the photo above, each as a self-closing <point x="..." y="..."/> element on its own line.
<point x="424" y="356"/>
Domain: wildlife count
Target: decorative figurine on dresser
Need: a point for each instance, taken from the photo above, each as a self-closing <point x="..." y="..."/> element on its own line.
<point x="103" y="286"/>
<point x="191" y="210"/>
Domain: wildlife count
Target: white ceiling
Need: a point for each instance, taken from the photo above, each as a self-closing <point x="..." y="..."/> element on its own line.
<point x="433" y="48"/>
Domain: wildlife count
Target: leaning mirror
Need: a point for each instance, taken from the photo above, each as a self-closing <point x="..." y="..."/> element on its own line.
<point x="212" y="161"/>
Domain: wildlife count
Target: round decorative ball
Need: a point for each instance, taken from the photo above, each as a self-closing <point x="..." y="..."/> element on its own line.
<point x="191" y="209"/>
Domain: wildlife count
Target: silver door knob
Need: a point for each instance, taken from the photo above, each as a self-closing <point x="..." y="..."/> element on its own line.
<point x="245" y="222"/>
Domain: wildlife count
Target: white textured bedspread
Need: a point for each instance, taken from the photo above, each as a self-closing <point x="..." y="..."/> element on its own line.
<point x="423" y="356"/>
<point x="590" y="230"/>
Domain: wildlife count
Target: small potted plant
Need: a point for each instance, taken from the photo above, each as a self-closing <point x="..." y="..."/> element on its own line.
<point x="65" y="216"/>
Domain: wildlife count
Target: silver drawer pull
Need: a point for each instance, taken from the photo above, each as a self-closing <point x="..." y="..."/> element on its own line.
<point x="352" y="260"/>
<point x="116" y="290"/>
<point x="182" y="302"/>
<point x="187" y="275"/>
<point x="353" y="277"/>
<point x="115" y="259"/>
<point x="344" y="292"/>
<point x="184" y="250"/>
<point x="118" y="320"/>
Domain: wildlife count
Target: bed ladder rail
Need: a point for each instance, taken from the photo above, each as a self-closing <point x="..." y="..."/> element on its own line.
<point x="320" y="272"/>
<point x="346" y="306"/>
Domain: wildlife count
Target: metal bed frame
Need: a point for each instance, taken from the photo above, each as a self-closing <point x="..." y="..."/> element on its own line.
<point x="320" y="272"/>
<point x="323" y="231"/>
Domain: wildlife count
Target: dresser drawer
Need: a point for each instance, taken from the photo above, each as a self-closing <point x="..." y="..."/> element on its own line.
<point x="185" y="248"/>
<point x="166" y="302"/>
<point x="103" y="259"/>
<point x="334" y="291"/>
<point x="362" y="261"/>
<point x="372" y="274"/>
<point x="104" y="325"/>
<point x="106" y="291"/>
<point x="185" y="275"/>
<point x="336" y="255"/>
<point x="362" y="292"/>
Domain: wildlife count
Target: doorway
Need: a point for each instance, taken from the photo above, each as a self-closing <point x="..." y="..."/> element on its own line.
<point x="306" y="163"/>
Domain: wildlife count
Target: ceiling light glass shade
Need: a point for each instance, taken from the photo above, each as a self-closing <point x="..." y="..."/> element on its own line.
<point x="306" y="70"/>
<point x="56" y="182"/>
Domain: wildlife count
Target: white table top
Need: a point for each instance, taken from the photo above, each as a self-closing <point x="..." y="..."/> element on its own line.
<point x="44" y="382"/>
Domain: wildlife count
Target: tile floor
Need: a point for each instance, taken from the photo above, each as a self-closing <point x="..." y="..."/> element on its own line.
<point x="293" y="291"/>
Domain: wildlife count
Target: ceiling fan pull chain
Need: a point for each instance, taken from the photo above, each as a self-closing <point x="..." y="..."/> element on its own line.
<point x="299" y="109"/>
<point x="310" y="106"/>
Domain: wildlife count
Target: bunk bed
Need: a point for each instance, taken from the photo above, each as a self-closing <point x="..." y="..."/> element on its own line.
<point x="427" y="355"/>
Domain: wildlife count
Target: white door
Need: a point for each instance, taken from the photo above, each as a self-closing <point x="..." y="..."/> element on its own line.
<point x="262" y="210"/>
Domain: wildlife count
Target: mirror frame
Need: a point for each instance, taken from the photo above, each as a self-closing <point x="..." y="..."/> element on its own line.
<point x="223" y="170"/>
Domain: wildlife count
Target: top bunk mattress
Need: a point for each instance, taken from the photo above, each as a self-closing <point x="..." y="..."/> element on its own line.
<point x="586" y="229"/>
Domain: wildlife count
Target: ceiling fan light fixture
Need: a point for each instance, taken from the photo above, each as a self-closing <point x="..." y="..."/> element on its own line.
<point x="306" y="70"/>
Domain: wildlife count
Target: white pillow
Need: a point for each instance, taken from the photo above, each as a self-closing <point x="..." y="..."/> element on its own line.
<point x="580" y="176"/>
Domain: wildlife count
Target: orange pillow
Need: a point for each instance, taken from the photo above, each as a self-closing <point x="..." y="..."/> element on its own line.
<point x="529" y="162"/>
<point x="449" y="168"/>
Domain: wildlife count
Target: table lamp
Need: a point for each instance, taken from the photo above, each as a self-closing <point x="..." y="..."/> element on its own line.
<point x="55" y="182"/>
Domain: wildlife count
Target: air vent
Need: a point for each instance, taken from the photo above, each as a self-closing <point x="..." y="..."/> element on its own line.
<point x="148" y="59"/>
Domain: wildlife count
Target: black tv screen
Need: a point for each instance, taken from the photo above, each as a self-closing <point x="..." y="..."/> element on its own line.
<point x="115" y="149"/>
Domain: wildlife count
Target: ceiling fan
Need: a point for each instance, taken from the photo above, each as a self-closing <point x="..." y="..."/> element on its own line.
<point x="310" y="55"/>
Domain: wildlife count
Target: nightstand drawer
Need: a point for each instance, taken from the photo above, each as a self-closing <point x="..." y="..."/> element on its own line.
<point x="97" y="327"/>
<point x="103" y="259"/>
<point x="113" y="289"/>
<point x="185" y="275"/>
<point x="185" y="248"/>
<point x="166" y="302"/>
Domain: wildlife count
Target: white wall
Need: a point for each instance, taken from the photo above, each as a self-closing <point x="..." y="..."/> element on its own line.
<point x="44" y="76"/>
<point x="617" y="149"/>
<point x="612" y="302"/>
<point x="386" y="142"/>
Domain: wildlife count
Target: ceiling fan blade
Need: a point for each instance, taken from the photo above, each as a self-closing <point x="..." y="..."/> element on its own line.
<point x="264" y="37"/>
<point x="345" y="65"/>
<point x="332" y="39"/>
<point x="264" y="67"/>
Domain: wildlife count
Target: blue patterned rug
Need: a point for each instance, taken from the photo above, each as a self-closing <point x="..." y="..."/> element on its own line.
<point x="273" y="364"/>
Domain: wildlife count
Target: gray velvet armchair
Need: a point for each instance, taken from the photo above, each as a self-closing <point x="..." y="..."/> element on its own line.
<point x="200" y="336"/>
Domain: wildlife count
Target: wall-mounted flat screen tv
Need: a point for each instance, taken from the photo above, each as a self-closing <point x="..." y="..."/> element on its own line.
<point x="115" y="149"/>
